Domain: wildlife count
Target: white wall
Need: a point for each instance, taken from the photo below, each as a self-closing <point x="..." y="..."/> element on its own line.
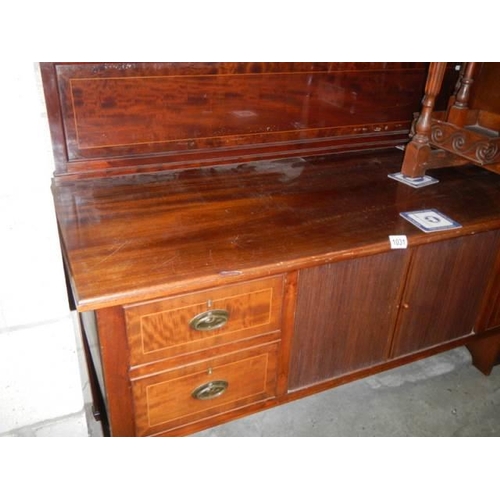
<point x="39" y="373"/>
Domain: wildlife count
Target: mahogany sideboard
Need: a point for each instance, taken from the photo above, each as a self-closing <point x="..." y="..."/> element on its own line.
<point x="225" y="233"/>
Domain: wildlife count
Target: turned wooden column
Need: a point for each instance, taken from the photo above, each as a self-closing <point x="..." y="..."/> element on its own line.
<point x="417" y="151"/>
<point x="457" y="114"/>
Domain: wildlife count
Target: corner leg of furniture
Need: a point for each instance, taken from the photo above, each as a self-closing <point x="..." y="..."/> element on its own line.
<point x="415" y="158"/>
<point x="485" y="352"/>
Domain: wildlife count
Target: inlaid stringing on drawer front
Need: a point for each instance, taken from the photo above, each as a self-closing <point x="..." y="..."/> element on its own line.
<point x="166" y="400"/>
<point x="176" y="321"/>
<point x="161" y="329"/>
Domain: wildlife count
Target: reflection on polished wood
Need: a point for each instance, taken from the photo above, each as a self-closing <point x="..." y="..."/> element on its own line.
<point x="138" y="237"/>
<point x="112" y="118"/>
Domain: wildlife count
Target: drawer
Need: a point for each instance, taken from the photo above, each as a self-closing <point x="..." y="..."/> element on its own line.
<point x="188" y="323"/>
<point x="195" y="392"/>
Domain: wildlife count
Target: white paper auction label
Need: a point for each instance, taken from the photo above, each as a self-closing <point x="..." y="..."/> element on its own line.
<point x="398" y="241"/>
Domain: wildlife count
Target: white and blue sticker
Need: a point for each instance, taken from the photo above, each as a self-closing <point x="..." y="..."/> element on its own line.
<point x="430" y="220"/>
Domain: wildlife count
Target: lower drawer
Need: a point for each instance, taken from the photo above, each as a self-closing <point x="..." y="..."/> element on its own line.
<point x="195" y="392"/>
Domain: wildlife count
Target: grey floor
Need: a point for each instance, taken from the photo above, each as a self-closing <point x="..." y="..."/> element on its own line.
<point x="439" y="396"/>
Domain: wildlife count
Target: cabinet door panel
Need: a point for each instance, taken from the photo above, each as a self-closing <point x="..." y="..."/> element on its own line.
<point x="345" y="316"/>
<point x="444" y="291"/>
<point x="490" y="316"/>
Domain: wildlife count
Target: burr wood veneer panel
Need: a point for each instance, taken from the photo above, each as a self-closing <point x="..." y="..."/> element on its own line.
<point x="135" y="115"/>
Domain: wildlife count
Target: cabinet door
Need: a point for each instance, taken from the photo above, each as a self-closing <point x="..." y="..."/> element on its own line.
<point x="444" y="290"/>
<point x="345" y="316"/>
<point x="490" y="313"/>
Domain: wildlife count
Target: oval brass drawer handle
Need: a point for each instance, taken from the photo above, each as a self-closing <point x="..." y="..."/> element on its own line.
<point x="209" y="320"/>
<point x="210" y="390"/>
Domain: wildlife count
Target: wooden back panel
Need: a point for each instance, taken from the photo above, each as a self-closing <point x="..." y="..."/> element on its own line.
<point x="111" y="118"/>
<point x="485" y="92"/>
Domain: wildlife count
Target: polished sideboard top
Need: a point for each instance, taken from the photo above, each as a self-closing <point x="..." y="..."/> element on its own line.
<point x="284" y="183"/>
<point x="138" y="237"/>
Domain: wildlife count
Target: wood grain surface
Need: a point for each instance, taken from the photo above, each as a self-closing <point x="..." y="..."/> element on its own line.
<point x="345" y="316"/>
<point x="444" y="291"/>
<point x="125" y="117"/>
<point x="142" y="237"/>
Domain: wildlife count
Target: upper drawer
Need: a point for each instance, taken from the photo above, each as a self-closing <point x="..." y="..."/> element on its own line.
<point x="187" y="323"/>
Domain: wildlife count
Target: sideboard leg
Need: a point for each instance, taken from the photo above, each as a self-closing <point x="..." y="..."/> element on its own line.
<point x="485" y="352"/>
<point x="417" y="151"/>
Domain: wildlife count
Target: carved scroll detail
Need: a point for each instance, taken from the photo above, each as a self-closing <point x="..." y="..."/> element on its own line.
<point x="465" y="143"/>
<point x="488" y="152"/>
